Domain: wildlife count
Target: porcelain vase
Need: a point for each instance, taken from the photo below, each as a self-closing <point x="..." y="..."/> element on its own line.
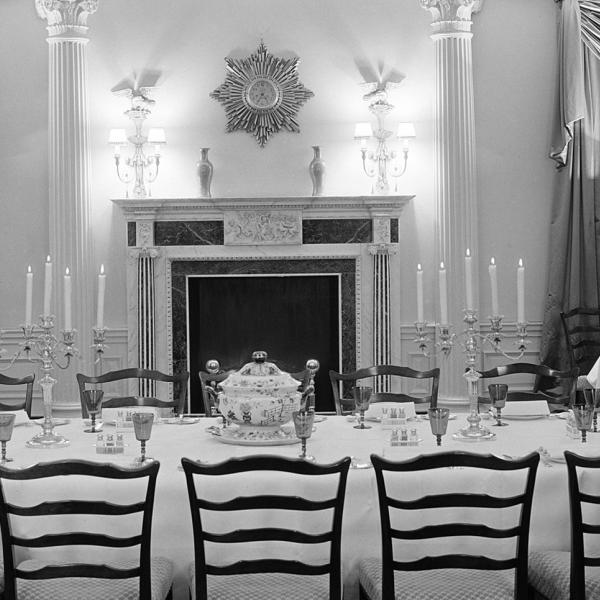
<point x="204" y="168"/>
<point x="316" y="168"/>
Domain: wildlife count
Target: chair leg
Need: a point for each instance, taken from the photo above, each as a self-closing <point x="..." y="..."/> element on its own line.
<point x="362" y="594"/>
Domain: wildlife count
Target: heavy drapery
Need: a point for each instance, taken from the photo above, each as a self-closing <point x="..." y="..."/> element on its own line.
<point x="573" y="274"/>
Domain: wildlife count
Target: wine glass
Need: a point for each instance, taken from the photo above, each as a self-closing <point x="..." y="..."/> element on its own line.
<point x="142" y="426"/>
<point x="592" y="398"/>
<point x="7" y="422"/>
<point x="438" y="421"/>
<point x="498" y="393"/>
<point x="362" y="396"/>
<point x="584" y="415"/>
<point x="303" y="423"/>
<point x="93" y="403"/>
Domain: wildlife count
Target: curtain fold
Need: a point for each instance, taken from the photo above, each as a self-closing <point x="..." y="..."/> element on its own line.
<point x="574" y="241"/>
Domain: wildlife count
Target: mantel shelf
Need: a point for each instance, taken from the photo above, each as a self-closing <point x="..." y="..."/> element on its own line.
<point x="165" y="209"/>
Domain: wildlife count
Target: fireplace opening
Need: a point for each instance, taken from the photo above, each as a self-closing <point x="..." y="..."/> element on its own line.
<point x="293" y="317"/>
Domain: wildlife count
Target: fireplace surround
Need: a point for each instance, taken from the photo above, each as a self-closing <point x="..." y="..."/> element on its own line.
<point x="170" y="240"/>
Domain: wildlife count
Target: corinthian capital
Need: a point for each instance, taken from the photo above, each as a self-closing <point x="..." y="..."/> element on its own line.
<point x="66" y="16"/>
<point x="451" y="15"/>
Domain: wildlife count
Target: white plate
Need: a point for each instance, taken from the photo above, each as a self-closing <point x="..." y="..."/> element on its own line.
<point x="233" y="435"/>
<point x="425" y="417"/>
<point x="504" y="417"/>
<point x="56" y="422"/>
<point x="184" y="421"/>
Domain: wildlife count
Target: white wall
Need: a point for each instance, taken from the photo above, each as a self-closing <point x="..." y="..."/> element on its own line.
<point x="338" y="42"/>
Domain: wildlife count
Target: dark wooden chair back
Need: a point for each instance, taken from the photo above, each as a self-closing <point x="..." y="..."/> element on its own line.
<point x="274" y="503"/>
<point x="422" y="403"/>
<point x="209" y="384"/>
<point x="179" y="381"/>
<point x="559" y="393"/>
<point x="24" y="404"/>
<point x="578" y="498"/>
<point x="386" y="471"/>
<point x="62" y="472"/>
<point x="582" y="336"/>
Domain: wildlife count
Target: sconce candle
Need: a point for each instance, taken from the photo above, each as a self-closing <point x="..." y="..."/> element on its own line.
<point x="469" y="280"/>
<point x="28" y="296"/>
<point x="443" y="284"/>
<point x="419" y="294"/>
<point x="47" y="286"/>
<point x="521" y="292"/>
<point x="67" y="294"/>
<point x="100" y="306"/>
<point x="494" y="286"/>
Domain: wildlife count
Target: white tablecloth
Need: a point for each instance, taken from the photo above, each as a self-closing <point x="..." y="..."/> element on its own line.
<point x="333" y="439"/>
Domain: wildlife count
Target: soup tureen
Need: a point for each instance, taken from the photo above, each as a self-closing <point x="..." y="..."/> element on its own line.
<point x="259" y="395"/>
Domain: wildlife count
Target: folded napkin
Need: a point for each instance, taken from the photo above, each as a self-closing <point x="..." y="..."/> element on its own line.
<point x="521" y="408"/>
<point x="375" y="411"/>
<point x="21" y="417"/>
<point x="594" y="375"/>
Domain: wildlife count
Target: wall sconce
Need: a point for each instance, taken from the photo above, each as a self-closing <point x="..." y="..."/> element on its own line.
<point x="376" y="162"/>
<point x="142" y="168"/>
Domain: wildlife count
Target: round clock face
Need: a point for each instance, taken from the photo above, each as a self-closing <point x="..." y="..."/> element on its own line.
<point x="262" y="94"/>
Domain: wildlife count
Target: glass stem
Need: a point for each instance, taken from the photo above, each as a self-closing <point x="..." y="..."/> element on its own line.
<point x="3" y="459"/>
<point x="362" y="418"/>
<point x="143" y="457"/>
<point x="303" y="448"/>
<point x="93" y="423"/>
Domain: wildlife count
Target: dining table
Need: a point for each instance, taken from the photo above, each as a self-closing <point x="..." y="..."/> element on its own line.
<point x="333" y="438"/>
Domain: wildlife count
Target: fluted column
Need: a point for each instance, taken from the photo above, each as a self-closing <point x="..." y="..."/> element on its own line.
<point x="68" y="157"/>
<point x="455" y="173"/>
<point x="382" y="329"/>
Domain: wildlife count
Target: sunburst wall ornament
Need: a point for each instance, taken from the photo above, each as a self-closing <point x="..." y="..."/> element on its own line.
<point x="262" y="94"/>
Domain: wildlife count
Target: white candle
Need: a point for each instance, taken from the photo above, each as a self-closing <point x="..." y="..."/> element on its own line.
<point x="28" y="296"/>
<point x="443" y="295"/>
<point x="494" y="285"/>
<point x="419" y="294"/>
<point x="100" y="306"/>
<point x="67" y="294"/>
<point x="521" y="292"/>
<point x="47" y="286"/>
<point x="469" y="280"/>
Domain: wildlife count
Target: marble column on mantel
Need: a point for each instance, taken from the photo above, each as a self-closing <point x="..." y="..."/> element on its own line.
<point x="381" y="250"/>
<point x="455" y="171"/>
<point x="69" y="188"/>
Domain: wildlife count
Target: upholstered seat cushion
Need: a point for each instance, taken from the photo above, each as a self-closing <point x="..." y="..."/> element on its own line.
<point x="265" y="586"/>
<point x="449" y="584"/>
<point x="550" y="574"/>
<point x="76" y="588"/>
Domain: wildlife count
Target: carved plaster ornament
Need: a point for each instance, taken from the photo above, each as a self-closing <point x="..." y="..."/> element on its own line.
<point x="455" y="11"/>
<point x="263" y="227"/>
<point x="262" y="94"/>
<point x="66" y="15"/>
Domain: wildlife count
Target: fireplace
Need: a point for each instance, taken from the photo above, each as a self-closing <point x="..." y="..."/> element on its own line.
<point x="327" y="261"/>
<point x="293" y="316"/>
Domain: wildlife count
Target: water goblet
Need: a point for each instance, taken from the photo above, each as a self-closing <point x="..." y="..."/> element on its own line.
<point x="142" y="426"/>
<point x="7" y="422"/>
<point x="584" y="415"/>
<point x="438" y="421"/>
<point x="362" y="397"/>
<point x="591" y="397"/>
<point x="498" y="393"/>
<point x="303" y="424"/>
<point x="93" y="403"/>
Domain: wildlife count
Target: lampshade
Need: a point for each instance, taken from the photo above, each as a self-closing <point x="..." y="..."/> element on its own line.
<point x="156" y="135"/>
<point x="362" y="131"/>
<point x="406" y="130"/>
<point x="117" y="136"/>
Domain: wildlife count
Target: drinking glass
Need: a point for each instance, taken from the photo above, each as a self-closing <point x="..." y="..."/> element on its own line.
<point x="362" y="397"/>
<point x="142" y="426"/>
<point x="93" y="404"/>
<point x="592" y="398"/>
<point x="584" y="415"/>
<point x="438" y="421"/>
<point x="303" y="423"/>
<point x="7" y="422"/>
<point x="498" y="393"/>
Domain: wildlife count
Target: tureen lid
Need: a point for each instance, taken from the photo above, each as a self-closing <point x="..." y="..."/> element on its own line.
<point x="259" y="373"/>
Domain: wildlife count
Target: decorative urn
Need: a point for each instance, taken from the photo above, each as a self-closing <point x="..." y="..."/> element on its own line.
<point x="259" y="395"/>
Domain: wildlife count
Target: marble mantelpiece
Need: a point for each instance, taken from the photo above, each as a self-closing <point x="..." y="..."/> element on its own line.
<point x="165" y="234"/>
